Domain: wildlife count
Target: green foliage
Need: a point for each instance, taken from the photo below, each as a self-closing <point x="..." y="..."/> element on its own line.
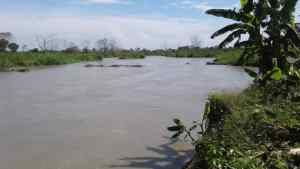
<point x="270" y="29"/>
<point x="3" y="44"/>
<point x="13" y="47"/>
<point x="250" y="133"/>
<point x="36" y="58"/>
<point x="24" y="59"/>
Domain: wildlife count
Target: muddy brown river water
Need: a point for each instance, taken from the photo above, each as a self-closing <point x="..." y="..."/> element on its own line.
<point x="72" y="117"/>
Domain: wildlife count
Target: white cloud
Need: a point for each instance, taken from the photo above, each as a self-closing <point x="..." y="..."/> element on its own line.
<point x="129" y="31"/>
<point x="105" y="1"/>
<point x="187" y="2"/>
<point x="204" y="6"/>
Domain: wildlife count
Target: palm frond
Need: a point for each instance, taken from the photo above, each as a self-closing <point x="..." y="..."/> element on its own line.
<point x="274" y="4"/>
<point x="225" y="13"/>
<point x="248" y="6"/>
<point x="261" y="10"/>
<point x="244" y="44"/>
<point x="243" y="3"/>
<point x="288" y="10"/>
<point x="231" y="37"/>
<point x="226" y="29"/>
<point x="291" y="34"/>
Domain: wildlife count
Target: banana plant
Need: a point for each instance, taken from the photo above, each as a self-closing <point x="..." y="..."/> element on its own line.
<point x="264" y="28"/>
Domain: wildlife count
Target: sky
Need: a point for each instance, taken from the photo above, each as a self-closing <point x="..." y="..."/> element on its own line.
<point x="132" y="23"/>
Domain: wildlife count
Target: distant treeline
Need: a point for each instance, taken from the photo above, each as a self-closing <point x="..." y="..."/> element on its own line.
<point x="51" y="51"/>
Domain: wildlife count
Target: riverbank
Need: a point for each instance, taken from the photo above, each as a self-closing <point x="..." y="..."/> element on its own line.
<point x="252" y="129"/>
<point x="23" y="61"/>
<point x="227" y="56"/>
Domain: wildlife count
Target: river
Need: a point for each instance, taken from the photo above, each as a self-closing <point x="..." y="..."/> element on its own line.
<point x="72" y="117"/>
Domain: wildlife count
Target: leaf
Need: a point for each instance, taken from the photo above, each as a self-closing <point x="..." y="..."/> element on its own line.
<point x="176" y="135"/>
<point x="274" y="4"/>
<point x="287" y="11"/>
<point x="175" y="128"/>
<point x="243" y="43"/>
<point x="261" y="10"/>
<point x="231" y="37"/>
<point x="249" y="6"/>
<point x="206" y="110"/>
<point x="277" y="74"/>
<point x="193" y="128"/>
<point x="251" y="73"/>
<point x="231" y="14"/>
<point x="229" y="28"/>
<point x="225" y="13"/>
<point x="243" y="3"/>
<point x="274" y="74"/>
<point x="291" y="34"/>
<point x="177" y="121"/>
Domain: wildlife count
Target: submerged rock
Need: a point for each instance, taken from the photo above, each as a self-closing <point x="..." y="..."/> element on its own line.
<point x="211" y="63"/>
<point x="90" y="65"/>
<point x="214" y="62"/>
<point x="24" y="69"/>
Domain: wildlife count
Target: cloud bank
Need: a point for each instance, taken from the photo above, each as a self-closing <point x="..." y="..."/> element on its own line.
<point x="129" y="31"/>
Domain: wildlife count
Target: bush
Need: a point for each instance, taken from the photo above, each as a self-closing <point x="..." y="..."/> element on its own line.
<point x="243" y="131"/>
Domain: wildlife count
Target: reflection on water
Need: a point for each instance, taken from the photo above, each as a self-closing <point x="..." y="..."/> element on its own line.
<point x="72" y="117"/>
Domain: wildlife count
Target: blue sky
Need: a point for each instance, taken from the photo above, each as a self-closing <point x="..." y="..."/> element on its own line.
<point x="133" y="23"/>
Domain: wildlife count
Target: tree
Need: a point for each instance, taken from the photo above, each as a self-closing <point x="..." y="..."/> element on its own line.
<point x="195" y="42"/>
<point x="270" y="29"/>
<point x="3" y="45"/>
<point x="102" y="45"/>
<point x="47" y="43"/>
<point x="13" y="47"/>
<point x="85" y="46"/>
<point x="6" y="35"/>
<point x="113" y="45"/>
<point x="24" y="48"/>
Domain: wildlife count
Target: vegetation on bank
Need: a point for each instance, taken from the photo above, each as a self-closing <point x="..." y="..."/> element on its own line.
<point x="28" y="59"/>
<point x="259" y="128"/>
<point x="223" y="56"/>
<point x="73" y="55"/>
<point x="49" y="54"/>
<point x="9" y="60"/>
<point x="247" y="131"/>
